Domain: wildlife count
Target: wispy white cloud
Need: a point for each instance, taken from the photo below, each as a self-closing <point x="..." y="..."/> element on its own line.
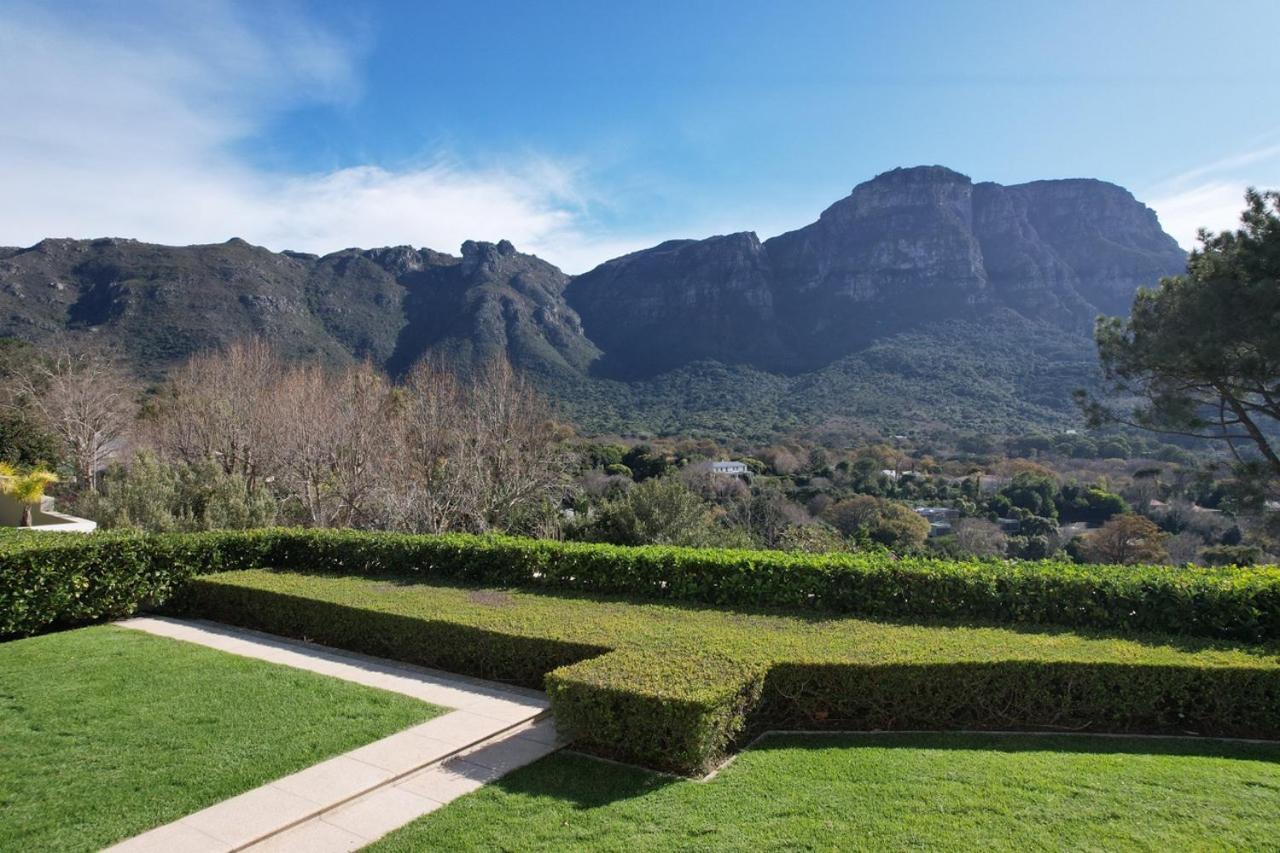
<point x="131" y="129"/>
<point x="1212" y="195"/>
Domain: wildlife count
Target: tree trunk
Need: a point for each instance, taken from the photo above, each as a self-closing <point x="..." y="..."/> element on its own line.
<point x="1259" y="438"/>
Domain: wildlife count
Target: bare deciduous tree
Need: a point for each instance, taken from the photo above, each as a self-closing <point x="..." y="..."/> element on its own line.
<point x="766" y="516"/>
<point x="334" y="440"/>
<point x="1126" y="539"/>
<point x="475" y="454"/>
<point x="435" y="475"/>
<point x="521" y="448"/>
<point x="86" y="399"/>
<point x="220" y="406"/>
<point x="349" y="449"/>
<point x="979" y="537"/>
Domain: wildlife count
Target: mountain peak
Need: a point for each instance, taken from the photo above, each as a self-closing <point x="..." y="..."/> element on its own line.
<point x="910" y="247"/>
<point x="480" y="248"/>
<point x="918" y="174"/>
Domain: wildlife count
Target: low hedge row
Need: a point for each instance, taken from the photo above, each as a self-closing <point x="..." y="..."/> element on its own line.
<point x="675" y="686"/>
<point x="78" y="578"/>
<point x="50" y="580"/>
<point x="680" y="711"/>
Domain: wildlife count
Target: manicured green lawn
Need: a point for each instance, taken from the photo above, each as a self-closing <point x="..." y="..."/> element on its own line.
<point x="106" y="732"/>
<point x="765" y="635"/>
<point x="885" y="792"/>
<point x="671" y="686"/>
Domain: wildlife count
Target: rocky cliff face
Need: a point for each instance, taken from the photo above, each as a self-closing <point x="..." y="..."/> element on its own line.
<point x="897" y="252"/>
<point x="393" y="305"/>
<point x="1110" y="243"/>
<point x="682" y="301"/>
<point x="909" y="248"/>
<point x="493" y="302"/>
<point x="909" y="263"/>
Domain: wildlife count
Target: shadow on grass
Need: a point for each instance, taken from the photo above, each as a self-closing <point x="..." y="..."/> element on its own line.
<point x="587" y="782"/>
<point x="582" y="780"/>
<point x="499" y="596"/>
<point x="1014" y="742"/>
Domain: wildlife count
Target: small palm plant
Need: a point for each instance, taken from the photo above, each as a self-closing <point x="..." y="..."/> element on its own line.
<point x="27" y="489"/>
<point x="7" y="473"/>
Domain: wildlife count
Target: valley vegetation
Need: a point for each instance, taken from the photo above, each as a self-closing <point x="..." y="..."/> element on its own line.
<point x="243" y="436"/>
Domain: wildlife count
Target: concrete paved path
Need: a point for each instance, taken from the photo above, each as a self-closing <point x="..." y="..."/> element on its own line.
<point x="353" y="799"/>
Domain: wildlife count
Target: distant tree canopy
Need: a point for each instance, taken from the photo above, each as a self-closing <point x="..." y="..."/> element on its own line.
<point x="1126" y="539"/>
<point x="881" y="521"/>
<point x="151" y="494"/>
<point x="1088" y="503"/>
<point x="1202" y="351"/>
<point x="661" y="510"/>
<point x="1035" y="495"/>
<point x="23" y="441"/>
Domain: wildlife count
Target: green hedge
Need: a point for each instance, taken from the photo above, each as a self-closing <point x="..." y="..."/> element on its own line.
<point x="82" y="578"/>
<point x="51" y="580"/>
<point x="499" y="655"/>
<point x="680" y="712"/>
<point x="676" y="686"/>
<point x="1062" y="695"/>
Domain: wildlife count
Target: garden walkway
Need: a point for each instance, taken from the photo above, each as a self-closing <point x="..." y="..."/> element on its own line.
<point x="353" y="799"/>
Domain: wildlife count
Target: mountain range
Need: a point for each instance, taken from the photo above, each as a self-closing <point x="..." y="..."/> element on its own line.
<point x="922" y="301"/>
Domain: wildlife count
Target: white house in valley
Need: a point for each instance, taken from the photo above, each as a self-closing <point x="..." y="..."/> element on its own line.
<point x="728" y="467"/>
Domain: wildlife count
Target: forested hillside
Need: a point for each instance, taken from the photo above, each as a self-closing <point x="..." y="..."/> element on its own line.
<point x="921" y="301"/>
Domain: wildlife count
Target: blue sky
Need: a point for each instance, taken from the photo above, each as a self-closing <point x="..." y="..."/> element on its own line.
<point x="581" y="130"/>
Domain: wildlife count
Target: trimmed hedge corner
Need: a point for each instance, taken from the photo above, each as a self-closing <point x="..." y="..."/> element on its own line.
<point x="675" y="687"/>
<point x="675" y="712"/>
<point x="103" y="575"/>
<point x="676" y="676"/>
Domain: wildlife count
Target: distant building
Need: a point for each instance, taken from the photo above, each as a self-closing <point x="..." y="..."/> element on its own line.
<point x="938" y="514"/>
<point x="1067" y="532"/>
<point x="941" y="519"/>
<point x="727" y="467"/>
<point x="986" y="482"/>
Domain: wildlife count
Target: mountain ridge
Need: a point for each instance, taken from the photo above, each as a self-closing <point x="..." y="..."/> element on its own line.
<point x="911" y="246"/>
<point x="915" y="264"/>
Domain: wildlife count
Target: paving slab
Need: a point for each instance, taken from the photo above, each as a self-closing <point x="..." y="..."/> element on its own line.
<point x="347" y="801"/>
<point x="377" y="813"/>
<point x="509" y="753"/>
<point x="312" y="837"/>
<point x="252" y="815"/>
<point x="335" y="780"/>
<point x="456" y="729"/>
<point x="438" y="688"/>
<point x="403" y="753"/>
<point x="448" y="780"/>
<point x="171" y="837"/>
